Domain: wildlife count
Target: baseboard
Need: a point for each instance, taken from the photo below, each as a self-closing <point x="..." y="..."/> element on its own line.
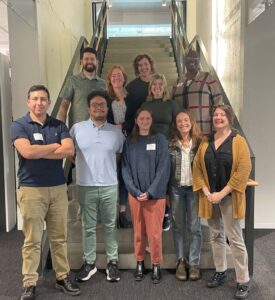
<point x="264" y="226"/>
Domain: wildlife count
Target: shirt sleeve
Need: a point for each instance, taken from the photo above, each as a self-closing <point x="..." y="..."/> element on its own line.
<point x="121" y="140"/>
<point x="215" y="91"/>
<point x="162" y="167"/>
<point x="175" y="110"/>
<point x="127" y="173"/>
<point x="64" y="131"/>
<point x="240" y="175"/>
<point x="68" y="90"/>
<point x="198" y="177"/>
<point x="17" y="131"/>
<point x="72" y="133"/>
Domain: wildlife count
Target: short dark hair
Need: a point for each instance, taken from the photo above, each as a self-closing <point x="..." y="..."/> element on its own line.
<point x="87" y="50"/>
<point x="38" y="87"/>
<point x="94" y="94"/>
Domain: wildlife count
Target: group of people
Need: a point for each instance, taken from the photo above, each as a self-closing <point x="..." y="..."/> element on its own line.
<point x="157" y="153"/>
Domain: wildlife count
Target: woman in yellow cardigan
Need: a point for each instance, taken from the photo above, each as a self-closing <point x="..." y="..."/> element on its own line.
<point x="220" y="172"/>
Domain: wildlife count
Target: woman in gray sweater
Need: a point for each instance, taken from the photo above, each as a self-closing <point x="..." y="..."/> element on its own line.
<point x="145" y="170"/>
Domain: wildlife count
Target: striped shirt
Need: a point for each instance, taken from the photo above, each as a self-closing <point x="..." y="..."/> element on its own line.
<point x="198" y="96"/>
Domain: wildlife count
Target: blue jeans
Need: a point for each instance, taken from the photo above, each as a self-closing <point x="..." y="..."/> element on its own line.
<point x="186" y="224"/>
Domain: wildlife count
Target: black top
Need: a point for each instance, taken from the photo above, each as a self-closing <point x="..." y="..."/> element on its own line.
<point x="128" y="125"/>
<point x="39" y="172"/>
<point x="218" y="163"/>
<point x="137" y="93"/>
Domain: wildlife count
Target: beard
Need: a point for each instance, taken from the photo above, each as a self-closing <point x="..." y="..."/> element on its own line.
<point x="100" y="118"/>
<point x="89" y="68"/>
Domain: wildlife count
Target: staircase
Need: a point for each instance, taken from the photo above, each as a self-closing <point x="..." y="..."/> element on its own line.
<point x="123" y="50"/>
<point x="126" y="244"/>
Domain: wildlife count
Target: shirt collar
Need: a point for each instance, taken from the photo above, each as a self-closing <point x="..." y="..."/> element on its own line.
<point x="95" y="126"/>
<point x="29" y="119"/>
<point x="95" y="77"/>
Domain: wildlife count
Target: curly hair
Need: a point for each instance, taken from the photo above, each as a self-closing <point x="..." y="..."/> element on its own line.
<point x="139" y="57"/>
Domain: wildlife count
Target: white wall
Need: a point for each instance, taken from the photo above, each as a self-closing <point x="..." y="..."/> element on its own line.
<point x="43" y="36"/>
<point x="204" y="22"/>
<point x="60" y="25"/>
<point x="229" y="48"/>
<point x="259" y="109"/>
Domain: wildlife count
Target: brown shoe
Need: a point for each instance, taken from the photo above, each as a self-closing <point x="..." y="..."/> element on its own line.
<point x="194" y="273"/>
<point x="181" y="270"/>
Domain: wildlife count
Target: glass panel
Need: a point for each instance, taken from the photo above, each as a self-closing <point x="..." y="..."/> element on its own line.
<point x="139" y="30"/>
<point x="256" y="7"/>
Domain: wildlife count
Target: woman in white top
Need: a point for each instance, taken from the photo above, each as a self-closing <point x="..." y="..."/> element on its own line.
<point x="184" y="202"/>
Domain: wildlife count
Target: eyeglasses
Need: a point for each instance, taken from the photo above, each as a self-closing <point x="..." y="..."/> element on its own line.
<point x="98" y="105"/>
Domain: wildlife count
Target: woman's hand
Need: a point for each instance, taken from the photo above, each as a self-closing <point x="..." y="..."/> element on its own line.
<point x="143" y="197"/>
<point x="215" y="198"/>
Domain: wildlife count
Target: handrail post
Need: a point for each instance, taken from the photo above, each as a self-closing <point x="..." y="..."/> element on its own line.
<point x="249" y="221"/>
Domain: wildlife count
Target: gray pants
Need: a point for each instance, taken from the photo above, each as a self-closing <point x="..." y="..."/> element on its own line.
<point x="221" y="225"/>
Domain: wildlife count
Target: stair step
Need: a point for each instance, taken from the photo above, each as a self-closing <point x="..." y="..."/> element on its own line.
<point x="134" y="51"/>
<point x="129" y="58"/>
<point x="141" y="38"/>
<point x="161" y="56"/>
<point x="126" y="249"/>
<point x="142" y="47"/>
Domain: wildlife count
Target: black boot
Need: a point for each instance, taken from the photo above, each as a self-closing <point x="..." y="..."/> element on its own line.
<point x="28" y="293"/>
<point x="123" y="221"/>
<point x="140" y="271"/>
<point x="156" y="274"/>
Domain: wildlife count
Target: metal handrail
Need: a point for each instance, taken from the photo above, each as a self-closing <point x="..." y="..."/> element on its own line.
<point x="181" y="46"/>
<point x="75" y="63"/>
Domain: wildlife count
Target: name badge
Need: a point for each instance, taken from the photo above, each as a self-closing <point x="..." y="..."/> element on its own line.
<point x="151" y="147"/>
<point x="38" y="136"/>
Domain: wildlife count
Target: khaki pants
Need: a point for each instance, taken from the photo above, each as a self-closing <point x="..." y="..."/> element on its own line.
<point x="147" y="218"/>
<point x="39" y="204"/>
<point x="221" y="225"/>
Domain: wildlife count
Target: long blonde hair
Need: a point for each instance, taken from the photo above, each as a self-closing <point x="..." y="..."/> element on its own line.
<point x="154" y="78"/>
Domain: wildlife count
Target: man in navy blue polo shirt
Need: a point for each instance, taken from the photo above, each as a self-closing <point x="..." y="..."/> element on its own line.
<point x="42" y="142"/>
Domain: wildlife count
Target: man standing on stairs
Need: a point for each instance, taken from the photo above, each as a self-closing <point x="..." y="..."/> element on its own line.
<point x="197" y="92"/>
<point x="42" y="142"/>
<point x="97" y="144"/>
<point x="78" y="87"/>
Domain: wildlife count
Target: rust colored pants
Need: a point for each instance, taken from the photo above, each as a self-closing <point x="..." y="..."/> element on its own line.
<point x="147" y="218"/>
